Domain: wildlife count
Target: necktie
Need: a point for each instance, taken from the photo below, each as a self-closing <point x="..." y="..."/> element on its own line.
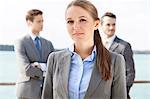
<point x="37" y="44"/>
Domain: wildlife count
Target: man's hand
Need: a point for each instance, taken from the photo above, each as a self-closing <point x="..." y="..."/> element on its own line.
<point x="36" y="64"/>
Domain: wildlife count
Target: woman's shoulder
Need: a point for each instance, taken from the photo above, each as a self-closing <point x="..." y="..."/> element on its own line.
<point x="115" y="55"/>
<point x="117" y="58"/>
<point x="60" y="53"/>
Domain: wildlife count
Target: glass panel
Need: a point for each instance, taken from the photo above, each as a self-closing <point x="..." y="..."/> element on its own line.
<point x="8" y="66"/>
<point x="140" y="91"/>
<point x="7" y="92"/>
<point x="142" y="66"/>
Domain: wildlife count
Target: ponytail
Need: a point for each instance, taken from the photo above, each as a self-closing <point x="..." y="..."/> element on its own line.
<point x="103" y="59"/>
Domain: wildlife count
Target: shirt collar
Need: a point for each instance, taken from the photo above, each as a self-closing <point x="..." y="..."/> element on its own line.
<point x="104" y="37"/>
<point x="89" y="58"/>
<point x="71" y="48"/>
<point x="111" y="39"/>
<point x="33" y="36"/>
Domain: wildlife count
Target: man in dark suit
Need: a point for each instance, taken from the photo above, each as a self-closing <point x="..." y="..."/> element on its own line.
<point x="115" y="44"/>
<point x="32" y="52"/>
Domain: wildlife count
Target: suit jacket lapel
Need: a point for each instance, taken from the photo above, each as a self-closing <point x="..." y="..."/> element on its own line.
<point x="94" y="82"/>
<point x="114" y="44"/>
<point x="31" y="44"/>
<point x="65" y="67"/>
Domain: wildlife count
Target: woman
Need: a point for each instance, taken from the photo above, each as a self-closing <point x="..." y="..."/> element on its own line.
<point x="86" y="70"/>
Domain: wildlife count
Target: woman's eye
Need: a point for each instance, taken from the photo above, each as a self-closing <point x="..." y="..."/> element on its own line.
<point x="82" y="20"/>
<point x="69" y="22"/>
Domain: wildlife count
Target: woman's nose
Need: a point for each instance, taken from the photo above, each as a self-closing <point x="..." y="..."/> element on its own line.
<point x="76" y="26"/>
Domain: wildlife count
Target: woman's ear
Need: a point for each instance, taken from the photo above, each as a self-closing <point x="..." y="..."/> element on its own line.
<point x="97" y="24"/>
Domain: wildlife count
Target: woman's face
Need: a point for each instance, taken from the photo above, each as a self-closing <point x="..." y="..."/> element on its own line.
<point x="80" y="24"/>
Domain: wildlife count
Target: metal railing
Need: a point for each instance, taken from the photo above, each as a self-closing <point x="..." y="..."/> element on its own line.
<point x="13" y="83"/>
<point x="141" y="81"/>
<point x="7" y="83"/>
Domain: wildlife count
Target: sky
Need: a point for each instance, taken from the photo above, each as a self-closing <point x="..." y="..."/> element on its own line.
<point x="133" y="18"/>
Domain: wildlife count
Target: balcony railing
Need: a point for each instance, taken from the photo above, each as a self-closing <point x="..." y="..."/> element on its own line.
<point x="13" y="83"/>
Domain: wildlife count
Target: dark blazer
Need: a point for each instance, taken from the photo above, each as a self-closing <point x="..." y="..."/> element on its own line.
<point x="56" y="81"/>
<point x="30" y="78"/>
<point x="122" y="47"/>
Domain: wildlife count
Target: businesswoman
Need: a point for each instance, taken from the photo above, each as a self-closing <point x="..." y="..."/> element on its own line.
<point x="85" y="70"/>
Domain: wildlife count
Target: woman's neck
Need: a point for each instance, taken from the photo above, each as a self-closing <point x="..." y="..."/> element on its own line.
<point x="84" y="49"/>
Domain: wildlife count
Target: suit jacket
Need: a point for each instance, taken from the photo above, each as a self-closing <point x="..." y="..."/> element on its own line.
<point x="30" y="78"/>
<point x="56" y="81"/>
<point x="122" y="47"/>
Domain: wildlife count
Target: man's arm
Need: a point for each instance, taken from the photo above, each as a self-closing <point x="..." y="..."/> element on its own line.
<point x="130" y="69"/>
<point x="26" y="68"/>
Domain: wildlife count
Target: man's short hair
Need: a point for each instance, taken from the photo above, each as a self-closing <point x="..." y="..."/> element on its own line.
<point x="108" y="14"/>
<point x="32" y="13"/>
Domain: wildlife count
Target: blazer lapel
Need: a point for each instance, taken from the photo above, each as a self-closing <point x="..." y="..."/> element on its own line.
<point x="65" y="67"/>
<point x="31" y="44"/>
<point x="94" y="82"/>
<point x="114" y="44"/>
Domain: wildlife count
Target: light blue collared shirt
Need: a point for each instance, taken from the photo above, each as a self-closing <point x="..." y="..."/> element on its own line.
<point x="80" y="74"/>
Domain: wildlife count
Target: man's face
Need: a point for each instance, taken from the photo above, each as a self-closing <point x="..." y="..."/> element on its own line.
<point x="37" y="25"/>
<point x="109" y="26"/>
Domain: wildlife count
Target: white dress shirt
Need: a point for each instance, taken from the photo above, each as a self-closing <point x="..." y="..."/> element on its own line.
<point x="107" y="42"/>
